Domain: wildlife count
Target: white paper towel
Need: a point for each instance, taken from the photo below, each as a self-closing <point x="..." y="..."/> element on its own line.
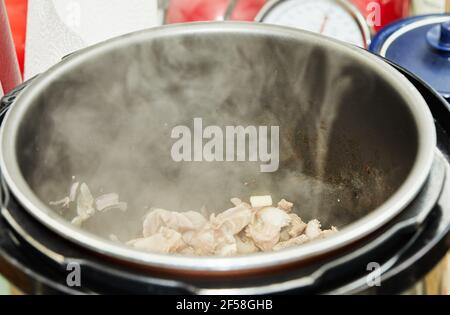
<point x="56" y="28"/>
<point x="428" y="6"/>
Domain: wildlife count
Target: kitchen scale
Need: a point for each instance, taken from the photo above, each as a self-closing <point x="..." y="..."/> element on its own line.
<point x="338" y="19"/>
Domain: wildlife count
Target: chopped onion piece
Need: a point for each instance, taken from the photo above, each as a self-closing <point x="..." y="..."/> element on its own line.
<point x="261" y="201"/>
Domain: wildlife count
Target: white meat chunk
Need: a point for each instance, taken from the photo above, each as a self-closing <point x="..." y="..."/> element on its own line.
<point x="203" y="241"/>
<point x="204" y="212"/>
<point x="188" y="251"/>
<point x="297" y="226"/>
<point x="110" y="201"/>
<point x="274" y="216"/>
<point x="78" y="220"/>
<point x="85" y="205"/>
<point x="85" y="201"/>
<point x="285" y="205"/>
<point x="328" y="233"/>
<point x="107" y="200"/>
<point x="122" y="206"/>
<point x="241" y="230"/>
<point x="236" y="201"/>
<point x="265" y="230"/>
<point x="264" y="235"/>
<point x="245" y="245"/>
<point x="165" y="241"/>
<point x="225" y="244"/>
<point x="73" y="191"/>
<point x="178" y="221"/>
<point x="226" y="250"/>
<point x="313" y="229"/>
<point x="299" y="240"/>
<point x="234" y="220"/>
<point x="64" y="203"/>
<point x="197" y="219"/>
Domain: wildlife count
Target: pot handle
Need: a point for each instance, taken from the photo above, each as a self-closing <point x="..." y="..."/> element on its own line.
<point x="8" y="100"/>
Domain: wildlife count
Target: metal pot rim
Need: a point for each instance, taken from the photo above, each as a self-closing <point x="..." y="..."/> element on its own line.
<point x="348" y="235"/>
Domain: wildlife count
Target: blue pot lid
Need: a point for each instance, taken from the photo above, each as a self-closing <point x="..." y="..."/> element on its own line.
<point x="421" y="45"/>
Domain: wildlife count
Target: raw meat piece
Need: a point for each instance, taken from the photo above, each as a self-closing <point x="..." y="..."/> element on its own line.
<point x="64" y="203"/>
<point x="108" y="202"/>
<point x="297" y="226"/>
<point x="241" y="230"/>
<point x="122" y="206"/>
<point x="294" y="229"/>
<point x="180" y="222"/>
<point x="165" y="241"/>
<point x="300" y="240"/>
<point x="313" y="229"/>
<point x="236" y="201"/>
<point x="328" y="233"/>
<point x="233" y="220"/>
<point x="266" y="228"/>
<point x="225" y="244"/>
<point x="203" y="242"/>
<point x="285" y="205"/>
<point x="73" y="191"/>
<point x="85" y="202"/>
<point x="245" y="245"/>
<point x="104" y="201"/>
<point x="85" y="205"/>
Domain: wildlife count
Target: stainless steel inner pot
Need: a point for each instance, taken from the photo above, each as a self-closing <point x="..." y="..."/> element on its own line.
<point x="356" y="138"/>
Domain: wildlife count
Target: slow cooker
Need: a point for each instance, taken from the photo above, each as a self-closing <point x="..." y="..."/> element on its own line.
<point x="363" y="146"/>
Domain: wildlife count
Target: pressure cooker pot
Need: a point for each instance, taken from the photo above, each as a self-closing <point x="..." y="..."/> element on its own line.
<point x="355" y="139"/>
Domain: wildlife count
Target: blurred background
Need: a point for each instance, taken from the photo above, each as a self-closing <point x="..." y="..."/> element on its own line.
<point x="59" y="26"/>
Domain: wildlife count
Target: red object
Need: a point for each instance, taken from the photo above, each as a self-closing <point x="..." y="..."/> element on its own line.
<point x="9" y="68"/>
<point x="180" y="11"/>
<point x="246" y="10"/>
<point x="17" y="13"/>
<point x="390" y="10"/>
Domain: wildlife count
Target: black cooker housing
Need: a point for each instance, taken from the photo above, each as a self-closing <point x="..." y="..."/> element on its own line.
<point x="36" y="260"/>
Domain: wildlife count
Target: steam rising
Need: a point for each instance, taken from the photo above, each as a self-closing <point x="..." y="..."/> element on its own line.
<point x="108" y="122"/>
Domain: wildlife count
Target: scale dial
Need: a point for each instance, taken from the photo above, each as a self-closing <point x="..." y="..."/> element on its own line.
<point x="334" y="18"/>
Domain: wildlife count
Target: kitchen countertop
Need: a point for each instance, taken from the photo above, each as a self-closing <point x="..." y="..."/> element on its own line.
<point x="4" y="287"/>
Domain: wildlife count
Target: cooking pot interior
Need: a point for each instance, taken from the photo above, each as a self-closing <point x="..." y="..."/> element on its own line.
<point x="347" y="140"/>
